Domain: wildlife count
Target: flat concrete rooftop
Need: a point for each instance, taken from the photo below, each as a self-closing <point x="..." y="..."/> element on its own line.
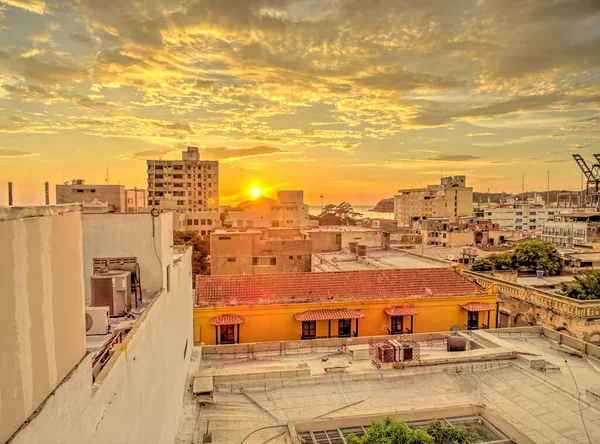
<point x="376" y="259"/>
<point x="260" y="397"/>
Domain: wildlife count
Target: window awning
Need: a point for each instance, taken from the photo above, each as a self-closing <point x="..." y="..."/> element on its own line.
<point x="477" y="306"/>
<point x="227" y="319"/>
<point x="325" y="315"/>
<point x="400" y="311"/>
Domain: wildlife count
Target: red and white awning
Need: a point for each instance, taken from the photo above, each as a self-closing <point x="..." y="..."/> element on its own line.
<point x="227" y="319"/>
<point x="328" y="314"/>
<point x="400" y="311"/>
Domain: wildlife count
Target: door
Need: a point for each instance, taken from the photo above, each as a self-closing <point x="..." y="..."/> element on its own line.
<point x="473" y="320"/>
<point x="227" y="334"/>
<point x="397" y="325"/>
<point x="309" y="329"/>
<point x="344" y="328"/>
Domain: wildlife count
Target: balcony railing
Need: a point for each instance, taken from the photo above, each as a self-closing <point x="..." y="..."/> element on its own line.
<point x="561" y="304"/>
<point x="352" y="335"/>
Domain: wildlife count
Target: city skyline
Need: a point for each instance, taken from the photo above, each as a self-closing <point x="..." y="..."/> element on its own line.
<point x="353" y="100"/>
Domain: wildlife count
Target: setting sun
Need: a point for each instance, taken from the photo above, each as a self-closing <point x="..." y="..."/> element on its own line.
<point x="255" y="192"/>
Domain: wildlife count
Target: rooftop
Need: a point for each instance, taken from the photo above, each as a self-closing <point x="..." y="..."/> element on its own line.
<point x="286" y="288"/>
<point x="521" y="383"/>
<point x="376" y="259"/>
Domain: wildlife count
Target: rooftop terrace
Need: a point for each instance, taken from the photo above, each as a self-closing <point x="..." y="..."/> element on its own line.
<point x="522" y="385"/>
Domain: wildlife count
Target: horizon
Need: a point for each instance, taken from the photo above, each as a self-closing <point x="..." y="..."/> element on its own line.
<point x="353" y="100"/>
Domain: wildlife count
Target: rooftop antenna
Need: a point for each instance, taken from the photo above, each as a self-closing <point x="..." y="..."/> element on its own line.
<point x="522" y="186"/>
<point x="106" y="173"/>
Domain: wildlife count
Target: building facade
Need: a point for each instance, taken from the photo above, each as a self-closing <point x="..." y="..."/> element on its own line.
<point x="135" y="200"/>
<point x="451" y="198"/>
<point x="568" y="230"/>
<point x="259" y="252"/>
<point x="336" y="238"/>
<point x="116" y="197"/>
<point x="259" y="308"/>
<point x="287" y="211"/>
<point x="188" y="186"/>
<point x="520" y="217"/>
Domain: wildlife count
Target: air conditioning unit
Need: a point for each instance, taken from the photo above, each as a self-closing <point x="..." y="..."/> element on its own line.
<point x="96" y="320"/>
<point x="111" y="289"/>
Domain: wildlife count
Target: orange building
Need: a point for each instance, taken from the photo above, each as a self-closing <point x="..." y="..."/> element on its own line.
<point x="293" y="306"/>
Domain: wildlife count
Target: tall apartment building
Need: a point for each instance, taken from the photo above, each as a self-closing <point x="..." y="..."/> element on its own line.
<point x="520" y="217"/>
<point x="451" y="198"/>
<point x="189" y="186"/>
<point x="119" y="199"/>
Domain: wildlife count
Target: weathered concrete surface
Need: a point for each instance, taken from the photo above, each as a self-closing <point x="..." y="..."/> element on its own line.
<point x="42" y="317"/>
<point x="137" y="396"/>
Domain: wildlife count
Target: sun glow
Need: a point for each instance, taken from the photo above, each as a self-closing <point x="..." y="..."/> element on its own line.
<point x="255" y="192"/>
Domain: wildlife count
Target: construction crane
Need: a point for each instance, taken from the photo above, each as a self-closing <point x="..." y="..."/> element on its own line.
<point x="592" y="175"/>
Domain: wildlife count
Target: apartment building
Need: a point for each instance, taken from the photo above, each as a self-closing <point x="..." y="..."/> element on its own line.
<point x="117" y="197"/>
<point x="520" y="217"/>
<point x="189" y="186"/>
<point x="288" y="210"/>
<point x="568" y="230"/>
<point x="451" y="198"/>
<point x="277" y="250"/>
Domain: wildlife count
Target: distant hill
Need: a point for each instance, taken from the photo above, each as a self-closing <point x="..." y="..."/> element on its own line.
<point x="384" y="206"/>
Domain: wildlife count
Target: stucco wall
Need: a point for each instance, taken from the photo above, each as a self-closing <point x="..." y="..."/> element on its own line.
<point x="277" y="322"/>
<point x="42" y="314"/>
<point x="137" y="396"/>
<point x="129" y="235"/>
<point x="113" y="194"/>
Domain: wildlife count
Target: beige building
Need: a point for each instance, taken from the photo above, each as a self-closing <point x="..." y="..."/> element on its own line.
<point x="288" y="210"/>
<point x="128" y="386"/>
<point x="189" y="186"/>
<point x="258" y="252"/>
<point x="336" y="238"/>
<point x="117" y="198"/>
<point x="452" y="198"/>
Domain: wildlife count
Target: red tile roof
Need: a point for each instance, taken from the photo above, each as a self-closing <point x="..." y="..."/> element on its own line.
<point x="289" y="288"/>
<point x="227" y="319"/>
<point x="401" y="311"/>
<point x="324" y="315"/>
<point x="477" y="306"/>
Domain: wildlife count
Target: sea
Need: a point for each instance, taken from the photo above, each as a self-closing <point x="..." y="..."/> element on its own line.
<point x="316" y="210"/>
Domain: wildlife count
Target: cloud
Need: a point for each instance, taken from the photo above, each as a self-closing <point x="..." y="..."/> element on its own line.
<point x="480" y="134"/>
<point x="579" y="146"/>
<point x="453" y="157"/>
<point x="49" y="72"/>
<point x="4" y="152"/>
<point x="82" y="39"/>
<point x="35" y="6"/>
<point x="151" y="155"/>
<point x="230" y="154"/>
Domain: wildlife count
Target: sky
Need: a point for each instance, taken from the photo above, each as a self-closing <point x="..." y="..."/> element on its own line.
<point x="349" y="99"/>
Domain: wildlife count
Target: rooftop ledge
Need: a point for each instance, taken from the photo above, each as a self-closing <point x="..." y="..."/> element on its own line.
<point x="14" y="213"/>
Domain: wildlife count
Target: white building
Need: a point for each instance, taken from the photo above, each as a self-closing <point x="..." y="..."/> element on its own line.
<point x="288" y="211"/>
<point x="452" y="198"/>
<point x="520" y="217"/>
<point x="568" y="230"/>
<point x="128" y="387"/>
<point x="189" y="186"/>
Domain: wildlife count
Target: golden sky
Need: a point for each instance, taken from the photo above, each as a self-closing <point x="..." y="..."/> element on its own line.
<point x="351" y="99"/>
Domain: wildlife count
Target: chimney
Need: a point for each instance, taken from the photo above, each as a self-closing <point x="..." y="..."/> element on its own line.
<point x="10" y="194"/>
<point x="47" y="192"/>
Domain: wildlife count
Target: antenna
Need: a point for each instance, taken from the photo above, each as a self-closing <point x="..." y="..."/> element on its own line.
<point x="106" y="173"/>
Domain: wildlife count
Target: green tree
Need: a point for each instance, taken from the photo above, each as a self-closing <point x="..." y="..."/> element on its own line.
<point x="584" y="288"/>
<point x="391" y="431"/>
<point x="201" y="249"/>
<point x="482" y="264"/>
<point x="537" y="255"/>
<point x="344" y="212"/>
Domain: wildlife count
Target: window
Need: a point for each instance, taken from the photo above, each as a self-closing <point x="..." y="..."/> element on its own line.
<point x="195" y="221"/>
<point x="230" y="259"/>
<point x="208" y="221"/>
<point x="189" y="221"/>
<point x="203" y="233"/>
<point x="255" y="261"/>
<point x="473" y="320"/>
<point x="273" y="261"/>
<point x="203" y="222"/>
<point x="344" y="328"/>
<point x="224" y="237"/>
<point x="291" y="257"/>
<point x="275" y="224"/>
<point x="309" y="329"/>
<point x="80" y="191"/>
<point x="397" y="324"/>
<point x="299" y="257"/>
<point x="168" y="278"/>
<point x="227" y="334"/>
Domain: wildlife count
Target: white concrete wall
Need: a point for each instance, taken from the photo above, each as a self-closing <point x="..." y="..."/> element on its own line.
<point x="129" y="235"/>
<point x="370" y="238"/>
<point x="42" y="315"/>
<point x="137" y="397"/>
